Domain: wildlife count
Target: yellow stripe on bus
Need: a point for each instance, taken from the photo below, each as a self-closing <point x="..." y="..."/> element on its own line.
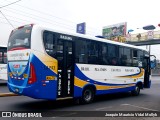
<point x="103" y="87"/>
<point x="50" y="62"/>
<point x="79" y="83"/>
<point x="134" y="76"/>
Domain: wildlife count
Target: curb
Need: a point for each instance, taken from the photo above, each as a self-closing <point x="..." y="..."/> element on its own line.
<point x="7" y="94"/>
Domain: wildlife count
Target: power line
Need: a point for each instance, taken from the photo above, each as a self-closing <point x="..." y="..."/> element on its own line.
<point x="13" y="20"/>
<point x="9" y="16"/>
<point x="7" y="19"/>
<point x="34" y="16"/>
<point x="2" y="2"/>
<point x="3" y="22"/>
<point x="45" y="20"/>
<point x="39" y="20"/>
<point x="44" y="13"/>
<point x="21" y="22"/>
<point x="48" y="14"/>
<point x="50" y="21"/>
<point x="10" y="4"/>
<point x="4" y="15"/>
<point x="6" y="23"/>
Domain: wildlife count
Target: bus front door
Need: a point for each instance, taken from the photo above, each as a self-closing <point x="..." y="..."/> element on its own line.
<point x="65" y="59"/>
<point x="147" y="72"/>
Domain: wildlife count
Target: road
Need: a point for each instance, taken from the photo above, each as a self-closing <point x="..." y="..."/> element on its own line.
<point x="148" y="100"/>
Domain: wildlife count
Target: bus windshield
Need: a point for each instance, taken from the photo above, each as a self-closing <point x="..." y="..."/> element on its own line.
<point x="20" y="38"/>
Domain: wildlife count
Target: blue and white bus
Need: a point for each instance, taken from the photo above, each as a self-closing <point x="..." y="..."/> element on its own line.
<point x="45" y="63"/>
<point x="3" y="64"/>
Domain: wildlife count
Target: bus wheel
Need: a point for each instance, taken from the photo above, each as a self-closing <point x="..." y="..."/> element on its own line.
<point x="136" y="91"/>
<point x="88" y="95"/>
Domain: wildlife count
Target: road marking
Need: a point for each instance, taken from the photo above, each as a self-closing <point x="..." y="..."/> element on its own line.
<point x="102" y="108"/>
<point x="7" y="94"/>
<point x="139" y="107"/>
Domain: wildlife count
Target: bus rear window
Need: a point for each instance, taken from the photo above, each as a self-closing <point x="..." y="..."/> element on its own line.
<point x="20" y="38"/>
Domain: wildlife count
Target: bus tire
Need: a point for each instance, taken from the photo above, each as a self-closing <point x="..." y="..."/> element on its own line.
<point x="88" y="95"/>
<point x="136" y="91"/>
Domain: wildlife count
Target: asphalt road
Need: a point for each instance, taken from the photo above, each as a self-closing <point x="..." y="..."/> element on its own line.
<point x="148" y="100"/>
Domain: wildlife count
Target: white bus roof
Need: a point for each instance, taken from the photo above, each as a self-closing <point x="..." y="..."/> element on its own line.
<point x="87" y="37"/>
<point x="3" y="45"/>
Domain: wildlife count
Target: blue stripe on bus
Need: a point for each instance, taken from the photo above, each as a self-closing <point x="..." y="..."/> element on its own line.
<point x="78" y="91"/>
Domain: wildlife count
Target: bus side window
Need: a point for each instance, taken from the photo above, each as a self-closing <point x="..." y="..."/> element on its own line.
<point x="127" y="57"/>
<point x="112" y="55"/>
<point x="92" y="52"/>
<point x="5" y="57"/>
<point x="1" y="57"/>
<point x="135" y="58"/>
<point x="49" y="43"/>
<point x="103" y="58"/>
<point x="122" y="61"/>
<point x="81" y="51"/>
<point x="59" y="51"/>
<point x="140" y="58"/>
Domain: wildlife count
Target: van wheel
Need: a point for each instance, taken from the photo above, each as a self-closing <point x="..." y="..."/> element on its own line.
<point x="136" y="91"/>
<point x="87" y="95"/>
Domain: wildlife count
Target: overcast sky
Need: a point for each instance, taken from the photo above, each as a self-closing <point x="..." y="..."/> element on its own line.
<point x="65" y="14"/>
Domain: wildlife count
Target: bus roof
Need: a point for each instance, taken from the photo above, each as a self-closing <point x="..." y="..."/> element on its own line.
<point x="3" y="45"/>
<point x="87" y="37"/>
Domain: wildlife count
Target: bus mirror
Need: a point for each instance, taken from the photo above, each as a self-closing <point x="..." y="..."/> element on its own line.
<point x="152" y="61"/>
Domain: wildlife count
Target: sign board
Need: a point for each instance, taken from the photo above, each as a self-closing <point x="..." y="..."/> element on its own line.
<point x="81" y="28"/>
<point x="115" y="32"/>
